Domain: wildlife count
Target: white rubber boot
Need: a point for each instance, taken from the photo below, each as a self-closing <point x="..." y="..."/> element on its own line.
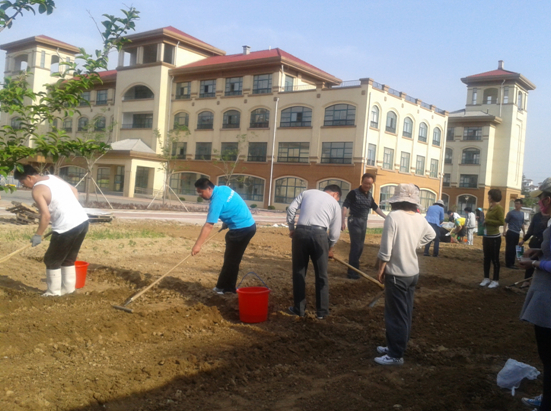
<point x="68" y="279"/>
<point x="53" y="280"/>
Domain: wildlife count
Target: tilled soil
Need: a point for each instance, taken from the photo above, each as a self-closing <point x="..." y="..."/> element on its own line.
<point x="184" y="348"/>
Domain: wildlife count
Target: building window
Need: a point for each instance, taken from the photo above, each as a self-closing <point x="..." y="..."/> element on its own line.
<point x="465" y="201"/>
<point x="448" y="156"/>
<point x="168" y="55"/>
<point x="470" y="156"/>
<point x="289" y="83"/>
<point x="205" y="120"/>
<point x="104" y="174"/>
<point x="340" y="115"/>
<point x="118" y="185"/>
<point x="427" y="198"/>
<point x="138" y="93"/>
<point x="475" y="95"/>
<point x="207" y="88"/>
<point x="83" y="124"/>
<point x="375" y="117"/>
<point x="446" y="180"/>
<point x="101" y="97"/>
<point x="436" y="136"/>
<point x="68" y="124"/>
<point x="184" y="183"/>
<point x="451" y="134"/>
<point x="140" y="121"/>
<point x="85" y="98"/>
<point x="490" y="96"/>
<point x="100" y="124"/>
<point x="73" y="175"/>
<point x="385" y="193"/>
<point x="388" y="159"/>
<point x="391" y="122"/>
<point x="16" y="123"/>
<point x="506" y="95"/>
<point x="293" y="152"/>
<point x="203" y="151"/>
<point x="181" y="121"/>
<point x="420" y="166"/>
<point x="287" y="189"/>
<point x="423" y="130"/>
<point x="42" y="59"/>
<point x="434" y="168"/>
<point x="262" y="84"/>
<point x="297" y="116"/>
<point x="179" y="149"/>
<point x="234" y="86"/>
<point x="149" y="53"/>
<point x="231" y="119"/>
<point x="408" y="128"/>
<point x="345" y="187"/>
<point x="472" y="133"/>
<point x="468" y="180"/>
<point x="519" y="101"/>
<point x="257" y="152"/>
<point x="371" y="152"/>
<point x="229" y="151"/>
<point x="183" y="90"/>
<point x="404" y="162"/>
<point x="249" y="188"/>
<point x="336" y="153"/>
<point x="260" y="118"/>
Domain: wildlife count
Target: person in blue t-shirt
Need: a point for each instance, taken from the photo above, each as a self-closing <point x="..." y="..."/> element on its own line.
<point x="228" y="206"/>
<point x="435" y="217"/>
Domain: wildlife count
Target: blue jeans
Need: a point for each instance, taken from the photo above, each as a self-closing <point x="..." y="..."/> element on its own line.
<point x="436" y="240"/>
<point x="356" y="229"/>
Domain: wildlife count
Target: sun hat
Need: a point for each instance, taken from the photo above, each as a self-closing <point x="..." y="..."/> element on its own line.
<point x="545" y="187"/>
<point x="440" y="202"/>
<point x="408" y="193"/>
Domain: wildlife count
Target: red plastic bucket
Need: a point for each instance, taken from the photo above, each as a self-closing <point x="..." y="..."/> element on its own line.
<point x="253" y="304"/>
<point x="81" y="268"/>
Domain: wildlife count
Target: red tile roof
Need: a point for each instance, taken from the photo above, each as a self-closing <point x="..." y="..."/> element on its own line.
<point x="108" y="75"/>
<point x="494" y="73"/>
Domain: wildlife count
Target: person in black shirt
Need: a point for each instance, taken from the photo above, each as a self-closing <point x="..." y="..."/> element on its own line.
<point x="535" y="234"/>
<point x="360" y="202"/>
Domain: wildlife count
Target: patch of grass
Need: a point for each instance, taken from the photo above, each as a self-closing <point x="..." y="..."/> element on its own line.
<point x="106" y="233"/>
<point x="374" y="231"/>
<point x="16" y="235"/>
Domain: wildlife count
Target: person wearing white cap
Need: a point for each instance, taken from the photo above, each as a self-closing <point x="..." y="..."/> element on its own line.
<point x="404" y="231"/>
<point x="435" y="217"/>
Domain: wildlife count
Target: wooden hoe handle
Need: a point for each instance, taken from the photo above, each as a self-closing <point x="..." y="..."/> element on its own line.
<point x="359" y="272"/>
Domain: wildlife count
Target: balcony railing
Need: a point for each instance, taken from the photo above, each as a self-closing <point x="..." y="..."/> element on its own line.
<point x="205" y="95"/>
<point x="470" y="161"/>
<point x="440" y="111"/>
<point x="411" y="99"/>
<point x="302" y="87"/>
<point x="263" y="124"/>
<point x="338" y="123"/>
<point x="377" y="85"/>
<point x="295" y="124"/>
<point x="101" y="102"/>
<point x="233" y="93"/>
<point x="230" y="125"/>
<point x="183" y="96"/>
<point x="425" y="105"/>
<point x="265" y="90"/>
<point x="336" y="160"/>
<point x="139" y="124"/>
<point x="407" y="134"/>
<point x="349" y="83"/>
<point x="394" y="92"/>
<point x="204" y="126"/>
<point x="472" y="137"/>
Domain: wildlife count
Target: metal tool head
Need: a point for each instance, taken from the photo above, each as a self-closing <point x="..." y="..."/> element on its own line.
<point x="128" y="310"/>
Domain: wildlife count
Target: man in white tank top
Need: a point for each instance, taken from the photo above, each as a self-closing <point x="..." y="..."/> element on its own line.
<point x="57" y="203"/>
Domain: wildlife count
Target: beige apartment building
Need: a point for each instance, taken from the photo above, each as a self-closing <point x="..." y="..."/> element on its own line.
<point x="294" y="127"/>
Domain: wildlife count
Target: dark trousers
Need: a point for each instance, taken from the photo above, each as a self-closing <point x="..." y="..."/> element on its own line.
<point x="490" y="246"/>
<point x="236" y="244"/>
<point x="511" y="242"/>
<point x="436" y="240"/>
<point x="356" y="228"/>
<point x="64" y="248"/>
<point x="399" y="293"/>
<point x="310" y="243"/>
<point x="543" y="339"/>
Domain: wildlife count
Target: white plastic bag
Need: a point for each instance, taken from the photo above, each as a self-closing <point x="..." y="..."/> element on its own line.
<point x="512" y="374"/>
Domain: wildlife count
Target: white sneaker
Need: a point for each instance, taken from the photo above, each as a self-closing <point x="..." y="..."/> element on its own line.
<point x="494" y="284"/>
<point x="485" y="282"/>
<point x="382" y="350"/>
<point x="386" y="360"/>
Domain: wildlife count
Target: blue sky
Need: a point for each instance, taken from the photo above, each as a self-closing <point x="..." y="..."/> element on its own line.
<point x="422" y="48"/>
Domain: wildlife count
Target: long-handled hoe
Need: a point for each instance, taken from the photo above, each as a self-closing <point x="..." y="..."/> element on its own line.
<point x="124" y="307"/>
<point x="7" y="257"/>
<point x="374" y="301"/>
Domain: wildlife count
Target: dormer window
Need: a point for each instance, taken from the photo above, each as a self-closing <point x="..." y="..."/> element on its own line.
<point x="150" y="53"/>
<point x="138" y="93"/>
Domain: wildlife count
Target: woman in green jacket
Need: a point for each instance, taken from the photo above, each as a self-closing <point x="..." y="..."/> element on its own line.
<point x="491" y="242"/>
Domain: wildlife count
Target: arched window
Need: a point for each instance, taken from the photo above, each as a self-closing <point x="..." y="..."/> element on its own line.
<point x="138" y="93"/>
<point x="73" y="175"/>
<point x="260" y="118"/>
<point x="205" y="120"/>
<point x="470" y="156"/>
<point x="448" y="156"/>
<point x="385" y="193"/>
<point x="519" y="101"/>
<point x="231" y="119"/>
<point x="297" y="116"/>
<point x="465" y="201"/>
<point x="68" y="124"/>
<point x="340" y="115"/>
<point x="16" y="123"/>
<point x="181" y="121"/>
<point x="248" y="187"/>
<point x="408" y="127"/>
<point x="375" y="117"/>
<point x="99" y="124"/>
<point x="345" y="187"/>
<point x="391" y="122"/>
<point x="436" y="136"/>
<point x="423" y="130"/>
<point x="490" y="96"/>
<point x="83" y="124"/>
<point x="184" y="183"/>
<point x="288" y="188"/>
<point x="427" y="198"/>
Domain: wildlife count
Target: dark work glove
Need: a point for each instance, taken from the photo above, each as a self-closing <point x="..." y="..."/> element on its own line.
<point x="37" y="239"/>
<point x="224" y="226"/>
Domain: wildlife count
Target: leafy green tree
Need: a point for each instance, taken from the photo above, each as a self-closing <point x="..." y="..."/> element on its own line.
<point x="228" y="159"/>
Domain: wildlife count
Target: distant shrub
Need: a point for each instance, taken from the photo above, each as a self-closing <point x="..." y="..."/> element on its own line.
<point x="200" y="199"/>
<point x="271" y="207"/>
<point x="253" y="205"/>
<point x="182" y="198"/>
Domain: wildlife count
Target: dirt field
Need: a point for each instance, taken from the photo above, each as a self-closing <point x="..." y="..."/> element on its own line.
<point x="184" y="347"/>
